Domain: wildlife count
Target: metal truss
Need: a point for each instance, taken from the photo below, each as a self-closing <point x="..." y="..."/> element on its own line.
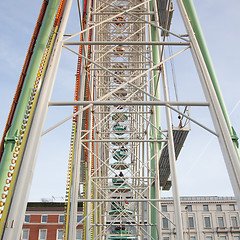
<point x="120" y="157"/>
<point x="117" y="158"/>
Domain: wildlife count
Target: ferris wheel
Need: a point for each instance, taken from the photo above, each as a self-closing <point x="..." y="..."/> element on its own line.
<point x="126" y="133"/>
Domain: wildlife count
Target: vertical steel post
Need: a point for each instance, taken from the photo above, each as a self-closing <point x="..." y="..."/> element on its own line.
<point x="172" y="162"/>
<point x="20" y="197"/>
<point x="230" y="153"/>
<point x="155" y="147"/>
<point x="13" y="132"/>
<point x="192" y="15"/>
<point x="172" y="157"/>
<point x="76" y="170"/>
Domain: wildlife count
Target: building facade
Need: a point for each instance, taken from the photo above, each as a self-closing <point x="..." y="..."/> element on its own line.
<point x="203" y="218"/>
<point x="45" y="221"/>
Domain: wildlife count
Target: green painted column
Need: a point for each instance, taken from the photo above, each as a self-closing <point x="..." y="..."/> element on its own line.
<point x="13" y="133"/>
<point x="153" y="196"/>
<point x="192" y="15"/>
<point x="156" y="91"/>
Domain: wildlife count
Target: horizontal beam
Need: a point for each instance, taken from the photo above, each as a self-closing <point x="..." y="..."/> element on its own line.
<point x="117" y="12"/>
<point x="124" y="140"/>
<point x="114" y="223"/>
<point x="129" y="103"/>
<point x="121" y="22"/>
<point x="120" y="200"/>
<point x="127" y="43"/>
<point x="121" y="69"/>
<point x="124" y="177"/>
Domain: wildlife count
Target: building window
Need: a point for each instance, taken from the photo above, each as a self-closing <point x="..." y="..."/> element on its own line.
<point x="231" y="207"/>
<point x="205" y="208"/>
<point x="79" y="235"/>
<point x="79" y="218"/>
<point x="192" y="238"/>
<point x="208" y="238"/>
<point x="234" y="222"/>
<point x="44" y="219"/>
<point x="207" y="222"/>
<point x="61" y="219"/>
<point x="164" y="208"/>
<point x="219" y="207"/>
<point x="25" y="234"/>
<point x="236" y="237"/>
<point x="59" y="234"/>
<point x="223" y="237"/>
<point x="27" y="219"/>
<point x="165" y="222"/>
<point x="220" y="222"/>
<point x="189" y="208"/>
<point x="165" y="238"/>
<point x="42" y="234"/>
<point x="191" y="222"/>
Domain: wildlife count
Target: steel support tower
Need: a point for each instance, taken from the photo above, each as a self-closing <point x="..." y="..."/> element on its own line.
<point x="120" y="157"/>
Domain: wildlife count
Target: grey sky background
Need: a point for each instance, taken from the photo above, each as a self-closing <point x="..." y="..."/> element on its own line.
<point x="201" y="169"/>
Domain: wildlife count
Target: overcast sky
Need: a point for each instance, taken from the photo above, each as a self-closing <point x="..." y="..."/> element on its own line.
<point x="201" y="168"/>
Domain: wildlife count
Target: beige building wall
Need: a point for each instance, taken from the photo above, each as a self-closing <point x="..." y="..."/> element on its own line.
<point x="204" y="218"/>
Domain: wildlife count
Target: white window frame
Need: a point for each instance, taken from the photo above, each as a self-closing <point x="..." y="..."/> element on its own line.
<point x="40" y="234"/>
<point x="225" y="237"/>
<point x="28" y="230"/>
<point x="27" y="215"/>
<point x="205" y="221"/>
<point x="189" y="208"/>
<point x="79" y="230"/>
<point x="237" y="224"/>
<point x="166" y="237"/>
<point x="222" y="221"/>
<point x="59" y="218"/>
<point x="42" y="218"/>
<point x="236" y="236"/>
<point x="164" y="207"/>
<point x="193" y="222"/>
<point x="205" y="207"/>
<point x="163" y="220"/>
<point x="208" y="237"/>
<point x="232" y="207"/>
<point x="58" y="230"/>
<point x="219" y="207"/>
<point x="79" y="215"/>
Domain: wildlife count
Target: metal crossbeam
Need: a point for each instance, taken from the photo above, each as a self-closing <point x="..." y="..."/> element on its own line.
<point x="128" y="43"/>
